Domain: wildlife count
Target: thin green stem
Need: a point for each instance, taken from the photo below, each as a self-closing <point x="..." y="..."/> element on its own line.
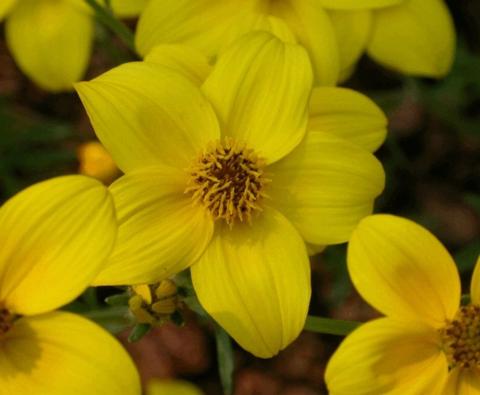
<point x="329" y="326"/>
<point x="106" y="17"/>
<point x="226" y="359"/>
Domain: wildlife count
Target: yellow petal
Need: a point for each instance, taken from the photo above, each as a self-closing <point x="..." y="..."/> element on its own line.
<point x="201" y="24"/>
<point x="51" y="41"/>
<point x="146" y="115"/>
<point x="160" y="233"/>
<point x="462" y="382"/>
<point x="325" y="186"/>
<point x="186" y="60"/>
<point x="257" y="21"/>
<point x="55" y="237"/>
<point x="128" y="8"/>
<point x="172" y="387"/>
<point x="389" y="358"/>
<point x="61" y="353"/>
<point x="260" y="89"/>
<point x="475" y="283"/>
<point x="5" y="7"/>
<point x="254" y="280"/>
<point x="356" y="4"/>
<point x="314" y="30"/>
<point x="416" y="37"/>
<point x="348" y="114"/>
<point x="352" y="29"/>
<point x="403" y="271"/>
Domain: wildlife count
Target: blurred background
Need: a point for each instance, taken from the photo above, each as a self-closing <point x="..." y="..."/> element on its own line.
<point x="432" y="160"/>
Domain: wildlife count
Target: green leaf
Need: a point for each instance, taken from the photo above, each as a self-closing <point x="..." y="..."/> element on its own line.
<point x="225" y="358"/>
<point x="329" y="326"/>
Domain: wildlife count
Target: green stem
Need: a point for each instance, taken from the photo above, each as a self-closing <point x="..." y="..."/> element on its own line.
<point x="226" y="359"/>
<point x="106" y="17"/>
<point x="329" y="326"/>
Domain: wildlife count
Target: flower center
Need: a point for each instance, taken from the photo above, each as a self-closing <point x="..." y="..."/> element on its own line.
<point x="229" y="180"/>
<point x="6" y="321"/>
<point x="461" y="338"/>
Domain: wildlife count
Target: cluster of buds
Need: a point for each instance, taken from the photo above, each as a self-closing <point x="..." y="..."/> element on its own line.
<point x="154" y="304"/>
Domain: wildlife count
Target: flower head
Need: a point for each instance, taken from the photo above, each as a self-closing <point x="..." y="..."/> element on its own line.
<point x="412" y="36"/>
<point x="428" y="342"/>
<point x="54" y="239"/>
<point x="226" y="179"/>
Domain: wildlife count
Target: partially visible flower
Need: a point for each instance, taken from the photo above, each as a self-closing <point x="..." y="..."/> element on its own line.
<point x="427" y="343"/>
<point x="51" y="40"/>
<point x="54" y="238"/>
<point x="226" y="179"/>
<point x="172" y="387"/>
<point x="414" y="37"/>
<point x="96" y="162"/>
<point x="211" y="25"/>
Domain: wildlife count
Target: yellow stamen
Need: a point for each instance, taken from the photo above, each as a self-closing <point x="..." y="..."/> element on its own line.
<point x="461" y="338"/>
<point x="229" y="180"/>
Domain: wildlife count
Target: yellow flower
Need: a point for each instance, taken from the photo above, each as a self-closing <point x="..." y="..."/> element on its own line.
<point x="211" y="25"/>
<point x="414" y="37"/>
<point x="226" y="178"/>
<point x="51" y="40"/>
<point x="172" y="387"/>
<point x="427" y="343"/>
<point x="96" y="162"/>
<point x="54" y="238"/>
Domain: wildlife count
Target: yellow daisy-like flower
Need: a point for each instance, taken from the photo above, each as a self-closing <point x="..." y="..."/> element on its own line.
<point x="427" y="343"/>
<point x="51" y="40"/>
<point x="225" y="177"/>
<point x="211" y="25"/>
<point x="54" y="238"/>
<point x="414" y="37"/>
